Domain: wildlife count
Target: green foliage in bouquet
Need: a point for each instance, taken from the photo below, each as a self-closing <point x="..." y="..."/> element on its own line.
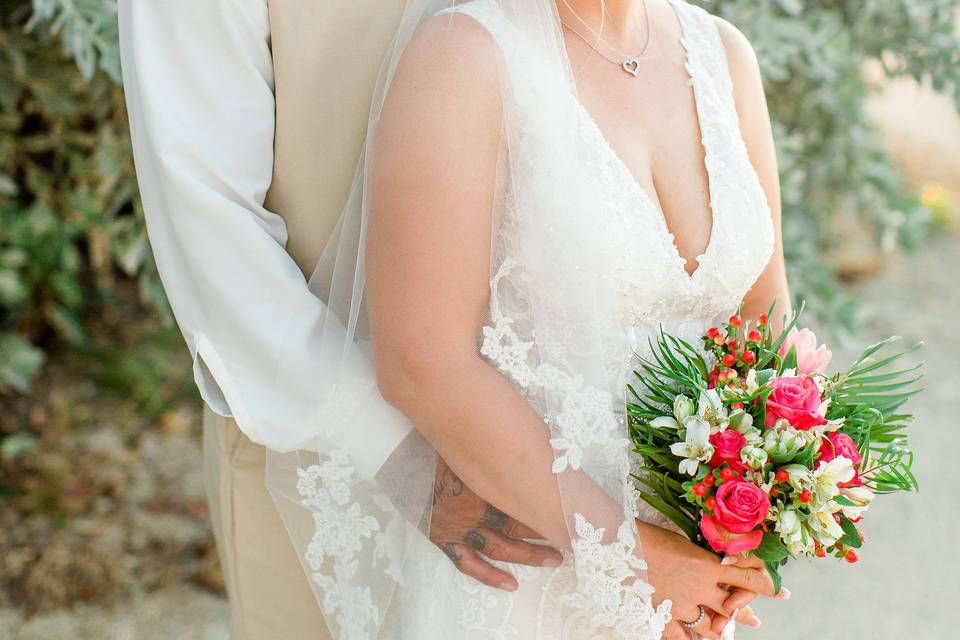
<point x="867" y="397"/>
<point x="809" y="462"/>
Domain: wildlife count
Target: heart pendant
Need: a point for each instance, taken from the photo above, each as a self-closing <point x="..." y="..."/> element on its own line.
<point x="631" y="66"/>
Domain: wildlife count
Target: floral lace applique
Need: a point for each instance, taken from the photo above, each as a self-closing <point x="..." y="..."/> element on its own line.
<point x="608" y="587"/>
<point x="340" y="528"/>
<point x="608" y="590"/>
<point x="586" y="418"/>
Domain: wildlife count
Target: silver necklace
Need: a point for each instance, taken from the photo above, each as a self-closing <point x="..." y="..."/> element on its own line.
<point x="630" y="64"/>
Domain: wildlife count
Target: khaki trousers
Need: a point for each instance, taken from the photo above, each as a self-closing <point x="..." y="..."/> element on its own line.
<point x="270" y="596"/>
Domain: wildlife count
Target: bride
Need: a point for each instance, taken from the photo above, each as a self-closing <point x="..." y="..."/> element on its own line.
<point x="545" y="185"/>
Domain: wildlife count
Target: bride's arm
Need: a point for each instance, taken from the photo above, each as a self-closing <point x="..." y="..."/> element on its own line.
<point x="428" y="264"/>
<point x="758" y="135"/>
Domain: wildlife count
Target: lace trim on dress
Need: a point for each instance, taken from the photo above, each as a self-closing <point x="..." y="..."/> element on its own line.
<point x="737" y="198"/>
<point x="353" y="525"/>
<point x="608" y="590"/>
<point x="340" y="531"/>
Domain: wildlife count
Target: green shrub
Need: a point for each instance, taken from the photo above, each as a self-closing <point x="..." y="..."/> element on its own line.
<point x="70" y="223"/>
<point x="838" y="184"/>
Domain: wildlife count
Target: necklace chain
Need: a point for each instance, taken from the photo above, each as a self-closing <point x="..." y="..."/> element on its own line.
<point x="628" y="63"/>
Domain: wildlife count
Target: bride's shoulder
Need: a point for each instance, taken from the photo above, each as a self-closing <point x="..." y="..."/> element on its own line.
<point x="448" y="70"/>
<point x="741" y="57"/>
<point x="452" y="44"/>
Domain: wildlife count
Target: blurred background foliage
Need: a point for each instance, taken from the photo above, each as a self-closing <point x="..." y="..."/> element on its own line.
<point x="71" y="228"/>
<point x="844" y="204"/>
<point x="79" y="289"/>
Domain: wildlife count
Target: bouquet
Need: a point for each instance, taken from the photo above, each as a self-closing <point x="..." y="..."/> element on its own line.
<point x="749" y="445"/>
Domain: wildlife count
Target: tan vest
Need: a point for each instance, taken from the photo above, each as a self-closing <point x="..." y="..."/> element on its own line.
<point x="326" y="55"/>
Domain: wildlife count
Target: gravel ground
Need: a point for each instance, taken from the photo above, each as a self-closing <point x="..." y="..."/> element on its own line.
<point x="180" y="613"/>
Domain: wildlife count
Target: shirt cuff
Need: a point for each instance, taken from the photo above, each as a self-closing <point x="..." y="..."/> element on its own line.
<point x="216" y="385"/>
<point x="379" y="429"/>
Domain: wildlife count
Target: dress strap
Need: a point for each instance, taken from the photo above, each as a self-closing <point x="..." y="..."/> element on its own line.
<point x="706" y="55"/>
<point x="491" y="17"/>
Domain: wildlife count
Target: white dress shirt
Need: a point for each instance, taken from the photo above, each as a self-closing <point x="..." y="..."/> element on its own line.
<point x="198" y="79"/>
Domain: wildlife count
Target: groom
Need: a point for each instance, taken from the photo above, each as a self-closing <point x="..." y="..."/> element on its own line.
<point x="247" y="119"/>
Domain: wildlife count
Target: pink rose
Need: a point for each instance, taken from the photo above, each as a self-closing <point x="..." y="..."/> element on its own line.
<point x="740" y="507"/>
<point x="726" y="448"/>
<point x="839" y="444"/>
<point x="795" y="399"/>
<point x="810" y="358"/>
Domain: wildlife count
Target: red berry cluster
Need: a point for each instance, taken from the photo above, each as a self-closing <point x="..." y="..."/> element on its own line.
<point x="704" y="487"/>
<point x="736" y="348"/>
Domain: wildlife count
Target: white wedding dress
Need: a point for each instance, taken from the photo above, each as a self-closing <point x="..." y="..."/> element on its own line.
<point x="626" y="250"/>
<point x="584" y="271"/>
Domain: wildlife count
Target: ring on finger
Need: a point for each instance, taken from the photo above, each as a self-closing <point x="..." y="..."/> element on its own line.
<point x="690" y="625"/>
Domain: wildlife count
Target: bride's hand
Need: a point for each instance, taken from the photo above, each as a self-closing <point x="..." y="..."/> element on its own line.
<point x="690" y="576"/>
<point x="469" y="530"/>
<point x="738" y="601"/>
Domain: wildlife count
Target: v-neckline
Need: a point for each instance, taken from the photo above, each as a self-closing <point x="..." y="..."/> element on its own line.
<point x="622" y="166"/>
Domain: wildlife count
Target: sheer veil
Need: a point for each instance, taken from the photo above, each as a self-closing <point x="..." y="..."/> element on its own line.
<point x="355" y="495"/>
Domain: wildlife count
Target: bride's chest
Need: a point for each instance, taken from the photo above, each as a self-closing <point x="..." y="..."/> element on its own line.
<point x="591" y="233"/>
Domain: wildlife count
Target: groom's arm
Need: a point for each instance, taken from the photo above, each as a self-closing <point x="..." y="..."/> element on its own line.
<point x="198" y="78"/>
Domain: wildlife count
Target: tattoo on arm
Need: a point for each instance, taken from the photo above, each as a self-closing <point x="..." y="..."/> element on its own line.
<point x="475" y="539"/>
<point x="450" y="548"/>
<point x="447" y="479"/>
<point x="495" y="519"/>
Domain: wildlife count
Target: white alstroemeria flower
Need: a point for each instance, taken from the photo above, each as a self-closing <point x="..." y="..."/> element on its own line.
<point x="741" y="421"/>
<point x="783" y="442"/>
<point x="788" y="373"/>
<point x="683" y="408"/>
<point x="823" y="525"/>
<point x="753" y="436"/>
<point x="860" y="496"/>
<point x="752" y="384"/>
<point x="753" y="456"/>
<point x="828" y="475"/>
<point x="799" y="477"/>
<point x="832" y="425"/>
<point x="821" y="382"/>
<point x="666" y="422"/>
<point x="795" y="535"/>
<point x="711" y="410"/>
<point x="822" y="409"/>
<point x="696" y="447"/>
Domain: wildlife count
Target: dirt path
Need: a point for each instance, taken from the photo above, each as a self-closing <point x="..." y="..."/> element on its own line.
<point x="180" y="613"/>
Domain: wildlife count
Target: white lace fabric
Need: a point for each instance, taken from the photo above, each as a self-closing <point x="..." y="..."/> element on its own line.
<point x="584" y="272"/>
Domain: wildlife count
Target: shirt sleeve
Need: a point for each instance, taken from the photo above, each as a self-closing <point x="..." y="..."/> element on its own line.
<point x="198" y="79"/>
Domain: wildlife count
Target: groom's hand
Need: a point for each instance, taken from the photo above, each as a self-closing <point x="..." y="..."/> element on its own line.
<point x="470" y="530"/>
